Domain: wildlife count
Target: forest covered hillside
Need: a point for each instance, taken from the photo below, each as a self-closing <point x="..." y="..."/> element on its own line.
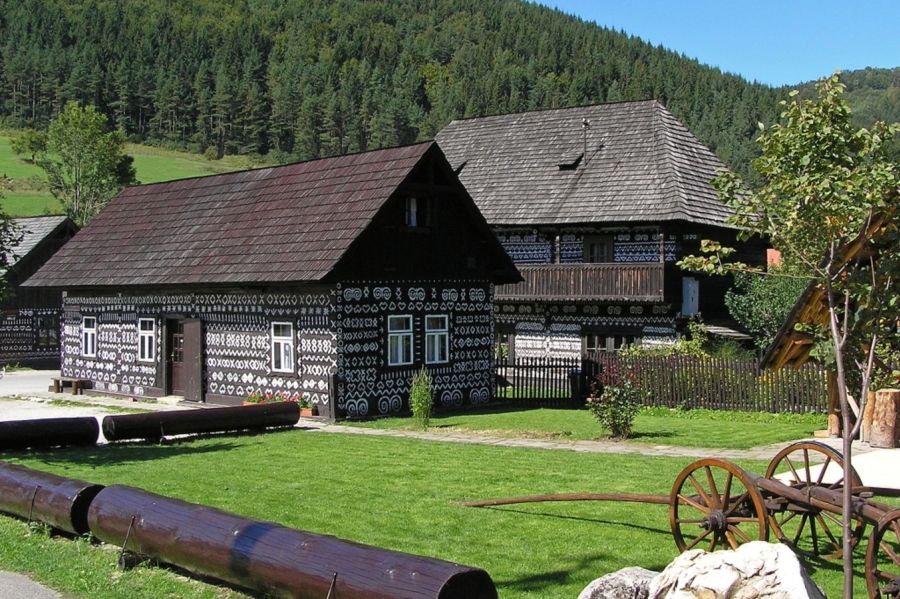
<point x="297" y="80"/>
<point x="873" y="94"/>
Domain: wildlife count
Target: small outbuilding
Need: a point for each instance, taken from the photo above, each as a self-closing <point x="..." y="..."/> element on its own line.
<point x="334" y="279"/>
<point x="29" y="329"/>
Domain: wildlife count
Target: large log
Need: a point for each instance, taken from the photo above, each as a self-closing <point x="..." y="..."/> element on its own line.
<point x="884" y="418"/>
<point x="270" y="558"/>
<point x="48" y="432"/>
<point x="60" y="502"/>
<point x="156" y="425"/>
<point x="868" y="413"/>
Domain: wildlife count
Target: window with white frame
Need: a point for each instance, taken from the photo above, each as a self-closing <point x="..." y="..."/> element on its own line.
<point x="282" y="347"/>
<point x="400" y="340"/>
<point x="146" y="340"/>
<point x="89" y="336"/>
<point x="437" y="340"/>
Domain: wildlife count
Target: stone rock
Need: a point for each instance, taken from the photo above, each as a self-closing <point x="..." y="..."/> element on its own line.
<point x="754" y="570"/>
<point x="627" y="583"/>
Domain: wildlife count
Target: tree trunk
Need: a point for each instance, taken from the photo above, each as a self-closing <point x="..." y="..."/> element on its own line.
<point x="846" y="435"/>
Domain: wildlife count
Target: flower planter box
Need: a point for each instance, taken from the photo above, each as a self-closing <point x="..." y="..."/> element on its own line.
<point x="306" y="412"/>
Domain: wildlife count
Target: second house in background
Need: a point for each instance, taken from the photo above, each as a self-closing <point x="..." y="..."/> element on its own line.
<point x="595" y="205"/>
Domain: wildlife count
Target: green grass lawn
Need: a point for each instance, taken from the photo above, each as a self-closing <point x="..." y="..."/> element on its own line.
<point x="29" y="195"/>
<point x="656" y="426"/>
<point x="29" y="203"/>
<point x="153" y="165"/>
<point x="389" y="492"/>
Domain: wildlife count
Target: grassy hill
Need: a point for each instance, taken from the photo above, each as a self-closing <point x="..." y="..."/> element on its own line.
<point x="29" y="195"/>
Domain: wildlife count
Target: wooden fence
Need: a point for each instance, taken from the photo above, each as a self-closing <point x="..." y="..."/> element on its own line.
<point x="670" y="381"/>
<point x="539" y="381"/>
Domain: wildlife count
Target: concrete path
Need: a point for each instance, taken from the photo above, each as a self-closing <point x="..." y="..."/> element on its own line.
<point x="17" y="586"/>
<point x="27" y="409"/>
<point x="671" y="451"/>
<point x="26" y="382"/>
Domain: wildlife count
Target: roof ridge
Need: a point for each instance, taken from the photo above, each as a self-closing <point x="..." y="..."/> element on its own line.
<point x="284" y="165"/>
<point x="18" y="218"/>
<point x="552" y="109"/>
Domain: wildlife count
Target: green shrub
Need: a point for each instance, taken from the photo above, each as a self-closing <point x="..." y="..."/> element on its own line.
<point x="616" y="407"/>
<point x="211" y="153"/>
<point x="420" y="398"/>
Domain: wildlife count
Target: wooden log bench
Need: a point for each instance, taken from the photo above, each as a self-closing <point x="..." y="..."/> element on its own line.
<point x="61" y="382"/>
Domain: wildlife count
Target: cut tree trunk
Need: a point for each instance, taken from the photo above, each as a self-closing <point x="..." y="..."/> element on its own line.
<point x="869" y="412"/>
<point x="884" y="418"/>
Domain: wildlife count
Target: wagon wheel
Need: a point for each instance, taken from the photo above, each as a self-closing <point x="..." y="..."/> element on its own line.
<point x="883" y="558"/>
<point x="713" y="503"/>
<point x="810" y="531"/>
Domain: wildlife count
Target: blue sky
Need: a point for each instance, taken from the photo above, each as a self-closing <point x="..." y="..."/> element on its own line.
<point x="778" y="43"/>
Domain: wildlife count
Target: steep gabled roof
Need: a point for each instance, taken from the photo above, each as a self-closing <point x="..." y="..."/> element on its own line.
<point x="529" y="168"/>
<point x="34" y="230"/>
<point x="282" y="224"/>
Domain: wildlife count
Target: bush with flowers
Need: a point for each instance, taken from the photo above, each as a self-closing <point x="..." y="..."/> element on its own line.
<point x="258" y="396"/>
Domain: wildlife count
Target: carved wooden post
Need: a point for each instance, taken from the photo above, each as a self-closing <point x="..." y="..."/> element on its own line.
<point x="884" y="420"/>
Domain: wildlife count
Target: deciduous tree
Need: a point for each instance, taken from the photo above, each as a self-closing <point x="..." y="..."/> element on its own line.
<point x="29" y="142"/>
<point x="85" y="164"/>
<point x="761" y="304"/>
<point x="830" y="204"/>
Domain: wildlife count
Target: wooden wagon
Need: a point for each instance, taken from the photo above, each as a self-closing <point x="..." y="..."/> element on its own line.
<point x="715" y="503"/>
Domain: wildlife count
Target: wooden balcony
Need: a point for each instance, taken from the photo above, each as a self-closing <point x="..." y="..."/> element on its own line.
<point x="580" y="282"/>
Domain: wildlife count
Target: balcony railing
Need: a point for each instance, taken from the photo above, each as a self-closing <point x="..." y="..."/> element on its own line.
<point x="568" y="282"/>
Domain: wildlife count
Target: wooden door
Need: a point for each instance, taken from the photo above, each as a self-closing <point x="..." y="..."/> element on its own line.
<point x="175" y="357"/>
<point x="192" y="360"/>
<point x="690" y="296"/>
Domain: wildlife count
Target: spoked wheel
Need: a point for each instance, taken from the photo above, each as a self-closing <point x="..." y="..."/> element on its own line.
<point x="810" y="531"/>
<point x="883" y="558"/>
<point x="716" y="504"/>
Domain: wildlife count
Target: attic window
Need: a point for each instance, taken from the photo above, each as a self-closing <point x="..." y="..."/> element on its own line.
<point x="570" y="162"/>
<point x="417" y="213"/>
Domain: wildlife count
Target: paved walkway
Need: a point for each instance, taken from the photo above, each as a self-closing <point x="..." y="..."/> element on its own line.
<point x="26" y="382"/>
<point x="671" y="451"/>
<point x="17" y="586"/>
<point x="37" y="404"/>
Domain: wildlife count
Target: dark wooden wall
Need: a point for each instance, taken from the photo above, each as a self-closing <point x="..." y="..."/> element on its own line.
<point x="455" y="244"/>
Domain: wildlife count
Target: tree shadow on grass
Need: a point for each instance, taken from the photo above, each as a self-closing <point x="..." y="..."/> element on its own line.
<point x="126" y="452"/>
<point x="651" y="435"/>
<point x="584" y="568"/>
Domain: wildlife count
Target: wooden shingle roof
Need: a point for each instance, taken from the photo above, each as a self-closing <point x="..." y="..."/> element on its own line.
<point x="281" y="224"/>
<point x="529" y="168"/>
<point x="33" y="231"/>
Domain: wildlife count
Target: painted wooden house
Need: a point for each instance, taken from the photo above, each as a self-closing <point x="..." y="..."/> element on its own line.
<point x="595" y="205"/>
<point x="29" y="329"/>
<point x="336" y="279"/>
